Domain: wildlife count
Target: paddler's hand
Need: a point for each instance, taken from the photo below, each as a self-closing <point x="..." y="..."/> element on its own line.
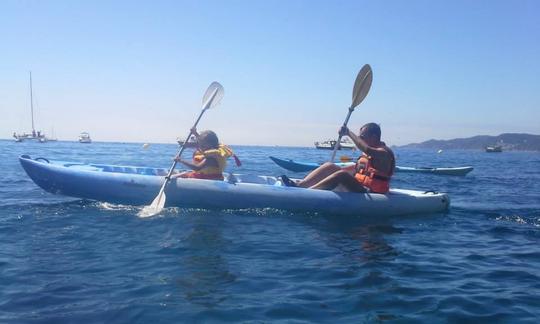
<point x="343" y="131"/>
<point x="194" y="131"/>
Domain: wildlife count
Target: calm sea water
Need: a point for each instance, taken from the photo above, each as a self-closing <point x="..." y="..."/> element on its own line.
<point x="64" y="260"/>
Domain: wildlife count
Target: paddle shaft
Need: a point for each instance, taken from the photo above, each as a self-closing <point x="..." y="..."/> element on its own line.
<point x="168" y="177"/>
<point x="351" y="109"/>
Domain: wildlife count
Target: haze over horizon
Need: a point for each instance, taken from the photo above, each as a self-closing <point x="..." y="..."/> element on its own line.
<point x="136" y="72"/>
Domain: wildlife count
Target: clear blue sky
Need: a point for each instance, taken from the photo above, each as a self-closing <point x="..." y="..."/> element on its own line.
<point x="136" y="71"/>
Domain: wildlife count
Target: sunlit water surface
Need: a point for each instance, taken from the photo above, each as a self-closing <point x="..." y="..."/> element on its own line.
<point x="69" y="260"/>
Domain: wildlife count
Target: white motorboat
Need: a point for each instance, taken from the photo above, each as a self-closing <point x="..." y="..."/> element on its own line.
<point x="84" y="137"/>
<point x="344" y="144"/>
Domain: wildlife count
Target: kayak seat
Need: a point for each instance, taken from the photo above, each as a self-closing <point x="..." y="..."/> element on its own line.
<point x="147" y="171"/>
<point x="131" y="170"/>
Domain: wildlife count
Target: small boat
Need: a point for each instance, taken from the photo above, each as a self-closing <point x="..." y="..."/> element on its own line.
<point x="38" y="136"/>
<point x="308" y="166"/>
<point x="139" y="186"/>
<point x="84" y="137"/>
<point x="191" y="143"/>
<point x="345" y="144"/>
<point x="494" y="149"/>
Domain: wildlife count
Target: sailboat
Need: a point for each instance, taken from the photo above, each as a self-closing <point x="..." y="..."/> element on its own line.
<point x="36" y="136"/>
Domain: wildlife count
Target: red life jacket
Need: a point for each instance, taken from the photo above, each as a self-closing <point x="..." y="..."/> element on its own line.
<point x="371" y="178"/>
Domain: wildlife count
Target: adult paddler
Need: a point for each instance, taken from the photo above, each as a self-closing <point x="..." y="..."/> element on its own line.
<point x="372" y="172"/>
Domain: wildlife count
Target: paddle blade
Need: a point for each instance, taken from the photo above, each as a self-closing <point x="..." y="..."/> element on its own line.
<point x="155" y="207"/>
<point x="345" y="158"/>
<point x="213" y="95"/>
<point x="362" y="85"/>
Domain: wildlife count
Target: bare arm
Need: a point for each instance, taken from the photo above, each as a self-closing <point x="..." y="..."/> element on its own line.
<point x="194" y="132"/>
<point x="362" y="145"/>
<point x="200" y="165"/>
<point x="359" y="142"/>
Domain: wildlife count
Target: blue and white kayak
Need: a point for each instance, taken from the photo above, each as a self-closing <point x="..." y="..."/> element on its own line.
<point x="140" y="185"/>
<point x="297" y="166"/>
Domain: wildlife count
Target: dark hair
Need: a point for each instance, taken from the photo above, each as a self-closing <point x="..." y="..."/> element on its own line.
<point x="209" y="138"/>
<point x="373" y="129"/>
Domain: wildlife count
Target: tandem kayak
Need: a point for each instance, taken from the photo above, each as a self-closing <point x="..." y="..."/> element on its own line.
<point x="139" y="185"/>
<point x="297" y="166"/>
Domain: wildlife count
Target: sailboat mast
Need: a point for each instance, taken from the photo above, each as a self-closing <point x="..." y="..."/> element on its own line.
<point x="31" y="102"/>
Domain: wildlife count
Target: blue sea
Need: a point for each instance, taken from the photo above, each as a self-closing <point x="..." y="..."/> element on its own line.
<point x="65" y="260"/>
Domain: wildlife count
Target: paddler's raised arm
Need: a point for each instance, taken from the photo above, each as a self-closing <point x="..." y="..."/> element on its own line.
<point x="361" y="143"/>
<point x="357" y="140"/>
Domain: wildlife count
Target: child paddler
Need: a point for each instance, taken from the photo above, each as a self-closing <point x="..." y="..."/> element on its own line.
<point x="209" y="159"/>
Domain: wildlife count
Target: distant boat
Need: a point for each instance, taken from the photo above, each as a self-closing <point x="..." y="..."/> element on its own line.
<point x="84" y="137"/>
<point x="34" y="135"/>
<point x="494" y="149"/>
<point x="191" y="143"/>
<point x="345" y="144"/>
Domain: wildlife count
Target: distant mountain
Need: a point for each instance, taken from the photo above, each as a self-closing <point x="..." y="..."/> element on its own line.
<point x="508" y="141"/>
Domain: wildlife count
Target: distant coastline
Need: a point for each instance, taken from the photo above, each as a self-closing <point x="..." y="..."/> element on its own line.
<point x="508" y="141"/>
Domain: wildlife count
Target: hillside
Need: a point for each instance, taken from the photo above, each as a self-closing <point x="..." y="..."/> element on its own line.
<point x="508" y="141"/>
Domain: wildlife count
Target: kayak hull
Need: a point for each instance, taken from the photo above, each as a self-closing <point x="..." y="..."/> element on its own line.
<point x="297" y="166"/>
<point x="456" y="171"/>
<point x="139" y="186"/>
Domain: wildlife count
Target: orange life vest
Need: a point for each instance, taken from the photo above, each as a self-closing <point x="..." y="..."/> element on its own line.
<point x="371" y="178"/>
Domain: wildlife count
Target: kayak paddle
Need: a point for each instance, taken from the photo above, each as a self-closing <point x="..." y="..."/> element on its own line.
<point x="360" y="91"/>
<point x="211" y="98"/>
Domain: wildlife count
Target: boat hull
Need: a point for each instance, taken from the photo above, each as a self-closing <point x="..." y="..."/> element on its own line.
<point x="297" y="166"/>
<point x="456" y="171"/>
<point x="494" y="149"/>
<point x="139" y="186"/>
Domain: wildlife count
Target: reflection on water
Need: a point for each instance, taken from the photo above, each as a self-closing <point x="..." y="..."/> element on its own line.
<point x="361" y="240"/>
<point x="373" y="244"/>
<point x="205" y="272"/>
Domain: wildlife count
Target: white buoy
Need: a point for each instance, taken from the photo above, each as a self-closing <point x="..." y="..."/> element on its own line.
<point x="439" y="151"/>
<point x="146" y="146"/>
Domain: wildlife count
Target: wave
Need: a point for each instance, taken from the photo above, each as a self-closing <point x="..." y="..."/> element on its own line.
<point x="528" y="214"/>
<point x="19" y="203"/>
